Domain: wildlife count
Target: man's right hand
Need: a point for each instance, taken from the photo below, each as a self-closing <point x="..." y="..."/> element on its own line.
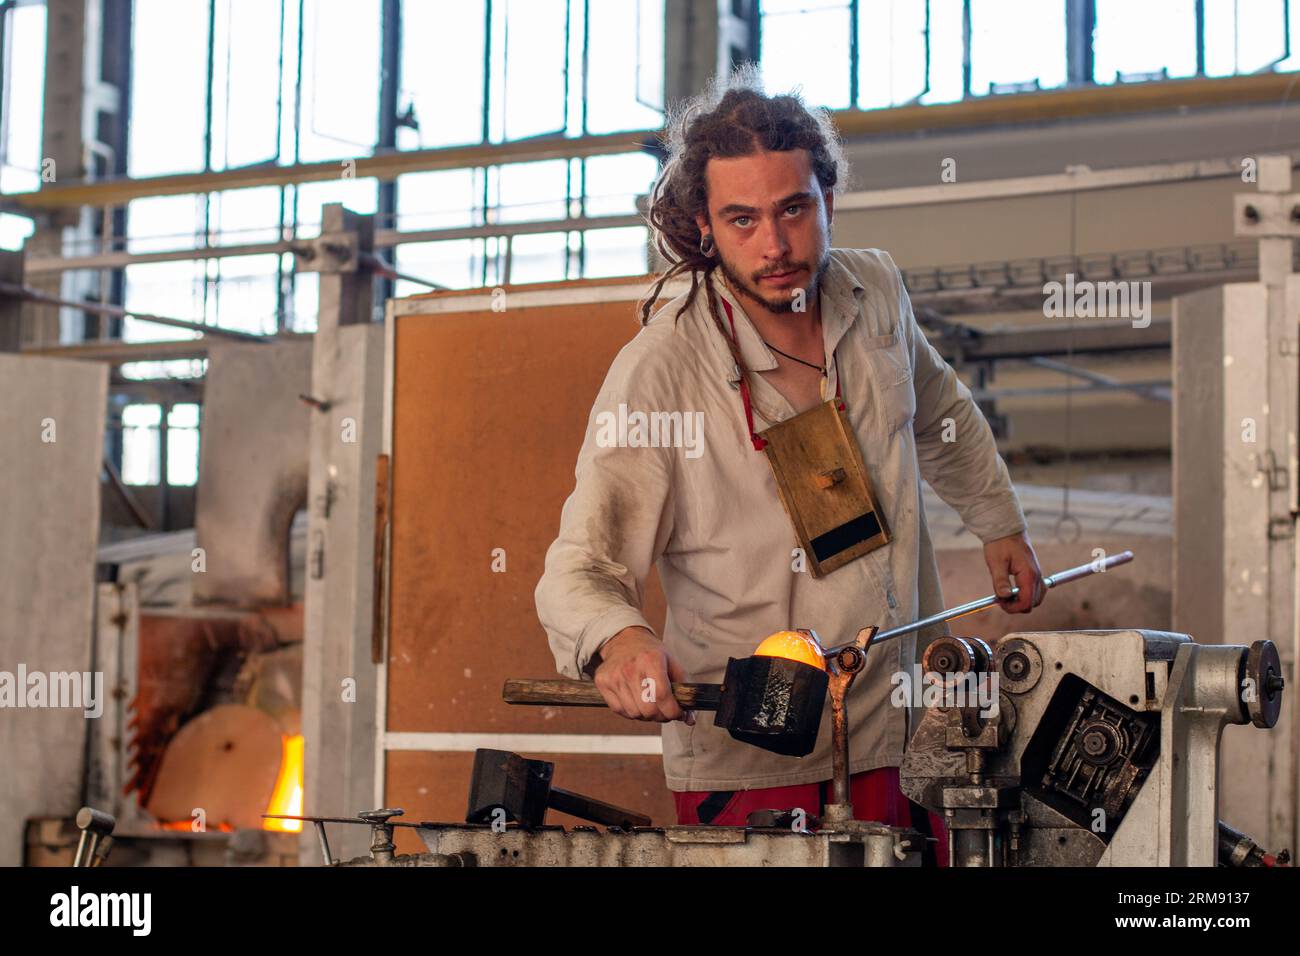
<point x="635" y="676"/>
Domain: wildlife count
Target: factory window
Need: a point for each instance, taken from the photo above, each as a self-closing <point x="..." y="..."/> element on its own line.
<point x="162" y="288"/>
<point x="1138" y="41"/>
<point x="519" y="68"/>
<point x="183" y="445"/>
<point x="436" y="118"/>
<point x="140" y="444"/>
<point x="212" y="91"/>
<point x="237" y="292"/>
<point x="22" y="91"/>
<point x="339" y="74"/>
<point x="169" y="64"/>
<point x="1251" y="37"/>
<point x="879" y="53"/>
<point x="455" y="263"/>
<point x="892" y="50"/>
<point x="142" y="430"/>
<point x="625" y="57"/>
<point x="1001" y="62"/>
<point x="614" y="252"/>
<point x="549" y="192"/>
<point x="808" y="44"/>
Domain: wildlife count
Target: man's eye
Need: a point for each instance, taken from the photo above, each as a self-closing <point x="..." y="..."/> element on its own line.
<point x="796" y="207"/>
<point x="740" y="221"/>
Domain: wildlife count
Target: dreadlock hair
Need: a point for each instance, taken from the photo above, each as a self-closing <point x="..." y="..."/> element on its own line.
<point x="733" y="117"/>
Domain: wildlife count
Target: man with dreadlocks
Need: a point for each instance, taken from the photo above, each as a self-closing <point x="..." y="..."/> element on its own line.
<point x="775" y="323"/>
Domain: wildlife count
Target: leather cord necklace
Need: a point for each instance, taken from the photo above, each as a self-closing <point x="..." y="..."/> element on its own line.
<point x="795" y="358"/>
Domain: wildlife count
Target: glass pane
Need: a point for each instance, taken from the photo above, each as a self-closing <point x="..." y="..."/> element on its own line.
<point x="614" y="182"/>
<point x="359" y="195"/>
<point x="140" y="444"/>
<point x="183" y="416"/>
<point x="14" y="230"/>
<point x="454" y="264"/>
<point x="530" y="191"/>
<point x="141" y="415"/>
<point x="528" y="68"/>
<point x="945" y="52"/>
<point x="306" y="303"/>
<point x="241" y="216"/>
<point x="1016" y="44"/>
<point x="24" y="91"/>
<point x="182" y="454"/>
<point x="1135" y="39"/>
<point x="444" y="120"/>
<point x="340" y="79"/>
<point x="614" y="252"/>
<point x="1243" y="37"/>
<point x="891" y="52"/>
<point x="169" y="61"/>
<point x="246" y="71"/>
<point x="158" y="223"/>
<point x="439" y="200"/>
<point x="806" y="45"/>
<point x="539" y="258"/>
<point x="625" y="60"/>
<point x="172" y="289"/>
<point x="246" y="293"/>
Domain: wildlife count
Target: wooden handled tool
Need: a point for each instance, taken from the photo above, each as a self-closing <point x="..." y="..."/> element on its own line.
<point x="581" y="693"/>
<point x="770" y="702"/>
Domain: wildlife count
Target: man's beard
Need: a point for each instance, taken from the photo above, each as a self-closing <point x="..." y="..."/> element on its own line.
<point x="752" y="290"/>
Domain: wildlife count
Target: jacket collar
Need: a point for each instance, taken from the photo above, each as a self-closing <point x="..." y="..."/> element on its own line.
<point x="841" y="302"/>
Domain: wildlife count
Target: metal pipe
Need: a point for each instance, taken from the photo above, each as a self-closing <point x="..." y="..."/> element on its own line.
<point x="28" y="294"/>
<point x="324" y="843"/>
<point x="970" y="607"/>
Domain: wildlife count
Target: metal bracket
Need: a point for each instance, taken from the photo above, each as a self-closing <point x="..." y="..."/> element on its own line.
<point x="1266" y="215"/>
<point x="1278" y="479"/>
<point x="1281" y="528"/>
<point x="334" y="252"/>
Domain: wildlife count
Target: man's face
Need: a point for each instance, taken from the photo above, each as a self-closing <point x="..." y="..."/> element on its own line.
<point x="770" y="220"/>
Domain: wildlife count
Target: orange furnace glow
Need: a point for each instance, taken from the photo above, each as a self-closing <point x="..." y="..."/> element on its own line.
<point x="287" y="796"/>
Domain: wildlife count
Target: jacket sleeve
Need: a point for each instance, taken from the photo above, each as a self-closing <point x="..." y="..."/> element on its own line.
<point x="613" y="527"/>
<point x="955" y="448"/>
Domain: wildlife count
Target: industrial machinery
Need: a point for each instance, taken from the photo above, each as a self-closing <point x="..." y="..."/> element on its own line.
<point x="1063" y="748"/>
<point x="1102" y="749"/>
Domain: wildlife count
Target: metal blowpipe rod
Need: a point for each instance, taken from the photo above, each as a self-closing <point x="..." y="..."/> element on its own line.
<point x="961" y="610"/>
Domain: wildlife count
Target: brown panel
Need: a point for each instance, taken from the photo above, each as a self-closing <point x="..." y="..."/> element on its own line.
<point x="435" y="786"/>
<point x="490" y="410"/>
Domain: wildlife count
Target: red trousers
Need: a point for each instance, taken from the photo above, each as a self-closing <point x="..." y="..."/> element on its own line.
<point x="876" y="795"/>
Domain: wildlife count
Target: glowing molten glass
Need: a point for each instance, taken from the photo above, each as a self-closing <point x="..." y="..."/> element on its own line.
<point x="794" y="646"/>
<point x="287" y="796"/>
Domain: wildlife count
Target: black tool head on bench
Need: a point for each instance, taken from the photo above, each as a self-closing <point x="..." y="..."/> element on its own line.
<point x="773" y="703"/>
<point x="519" y="786"/>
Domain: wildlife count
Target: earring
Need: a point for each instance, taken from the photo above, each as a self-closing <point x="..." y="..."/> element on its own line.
<point x="706" y="246"/>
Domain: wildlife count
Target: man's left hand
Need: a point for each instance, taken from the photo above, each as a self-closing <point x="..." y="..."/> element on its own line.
<point x="1013" y="557"/>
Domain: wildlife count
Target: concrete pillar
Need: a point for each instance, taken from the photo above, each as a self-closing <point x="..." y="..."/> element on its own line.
<point x="339" y="672"/>
<point x="1235" y="482"/>
<point x="87" y="102"/>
